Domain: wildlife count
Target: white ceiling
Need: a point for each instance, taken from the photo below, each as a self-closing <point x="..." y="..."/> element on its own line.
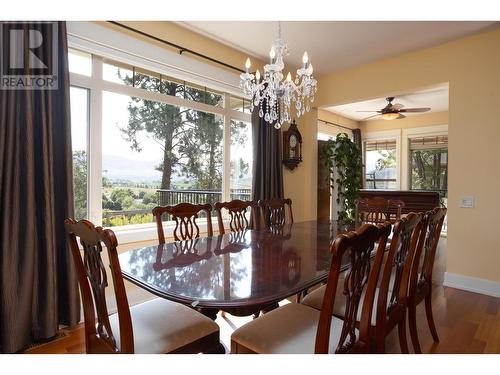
<point x="435" y="98"/>
<point x="336" y="45"/>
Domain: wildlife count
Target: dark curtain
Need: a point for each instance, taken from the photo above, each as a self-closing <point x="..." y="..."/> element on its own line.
<point x="38" y="289"/>
<point x="356" y="135"/>
<point x="267" y="181"/>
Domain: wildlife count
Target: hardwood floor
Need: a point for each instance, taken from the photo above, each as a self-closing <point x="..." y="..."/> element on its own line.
<point x="466" y="323"/>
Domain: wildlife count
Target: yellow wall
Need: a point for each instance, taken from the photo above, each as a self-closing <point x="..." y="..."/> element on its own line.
<point x="428" y="119"/>
<point x="301" y="183"/>
<point x="471" y="66"/>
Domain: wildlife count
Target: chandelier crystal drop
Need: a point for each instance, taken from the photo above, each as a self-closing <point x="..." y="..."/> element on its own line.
<point x="273" y="94"/>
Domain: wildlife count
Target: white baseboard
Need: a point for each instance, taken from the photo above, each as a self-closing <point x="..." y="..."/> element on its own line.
<point x="472" y="284"/>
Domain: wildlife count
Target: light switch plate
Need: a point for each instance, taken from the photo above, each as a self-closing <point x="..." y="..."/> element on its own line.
<point x="467" y="202"/>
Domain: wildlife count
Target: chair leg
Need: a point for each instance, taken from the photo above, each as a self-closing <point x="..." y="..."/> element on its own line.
<point x="380" y="345"/>
<point x="219" y="349"/>
<point x="270" y="308"/>
<point x="234" y="347"/>
<point x="430" y="318"/>
<point x="412" y="322"/>
<point x="300" y="296"/>
<point x="402" y="336"/>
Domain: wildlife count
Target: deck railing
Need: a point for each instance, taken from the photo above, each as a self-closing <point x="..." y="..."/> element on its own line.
<point x="168" y="197"/>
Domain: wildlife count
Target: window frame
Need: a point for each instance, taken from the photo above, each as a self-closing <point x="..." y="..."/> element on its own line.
<point x="96" y="86"/>
<point x="407" y="134"/>
<point x="379" y="136"/>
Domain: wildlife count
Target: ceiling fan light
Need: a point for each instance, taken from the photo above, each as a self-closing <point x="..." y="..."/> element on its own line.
<point x="390" y="116"/>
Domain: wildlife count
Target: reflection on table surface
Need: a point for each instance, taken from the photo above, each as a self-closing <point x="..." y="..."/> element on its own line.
<point x="249" y="266"/>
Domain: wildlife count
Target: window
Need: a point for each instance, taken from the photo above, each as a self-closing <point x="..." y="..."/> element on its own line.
<point x="79" y="129"/>
<point x="429" y="164"/>
<point x="157" y="142"/>
<point x="117" y="73"/>
<point x="324" y="137"/>
<point x="124" y="74"/>
<point x="80" y="62"/>
<point x="239" y="104"/>
<point x="380" y="164"/>
<point x="241" y="160"/>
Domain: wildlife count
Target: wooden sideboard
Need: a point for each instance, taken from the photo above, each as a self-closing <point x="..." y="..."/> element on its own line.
<point x="415" y="201"/>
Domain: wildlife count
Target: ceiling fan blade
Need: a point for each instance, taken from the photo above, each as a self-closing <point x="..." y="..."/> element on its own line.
<point x="415" y="110"/>
<point x="400" y="116"/>
<point x="368" y="111"/>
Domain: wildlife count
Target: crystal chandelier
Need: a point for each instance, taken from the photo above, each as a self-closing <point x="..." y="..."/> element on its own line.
<point x="272" y="94"/>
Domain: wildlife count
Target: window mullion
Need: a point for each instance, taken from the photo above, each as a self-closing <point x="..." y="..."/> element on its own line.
<point x="226" y="158"/>
<point x="95" y="143"/>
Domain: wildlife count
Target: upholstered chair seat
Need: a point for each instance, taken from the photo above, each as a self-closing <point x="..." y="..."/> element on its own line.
<point x="291" y="329"/>
<point x="315" y="300"/>
<point x="162" y="326"/>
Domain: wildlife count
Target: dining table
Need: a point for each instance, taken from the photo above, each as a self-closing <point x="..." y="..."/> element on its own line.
<point x="237" y="272"/>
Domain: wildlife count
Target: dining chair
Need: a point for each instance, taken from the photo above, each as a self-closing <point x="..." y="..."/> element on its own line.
<point x="156" y="326"/>
<point x="237" y="210"/>
<point x="184" y="215"/>
<point x="298" y="328"/>
<point x="391" y="292"/>
<point x="274" y="211"/>
<point x="377" y="210"/>
<point x="420" y="286"/>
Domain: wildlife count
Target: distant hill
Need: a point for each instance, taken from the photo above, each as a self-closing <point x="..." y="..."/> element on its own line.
<point x="121" y="168"/>
<point x="117" y="167"/>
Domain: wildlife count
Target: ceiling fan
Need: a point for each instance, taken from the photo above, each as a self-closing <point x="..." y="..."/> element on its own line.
<point x="394" y="111"/>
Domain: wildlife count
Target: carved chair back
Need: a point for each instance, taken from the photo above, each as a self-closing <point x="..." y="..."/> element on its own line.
<point x="93" y="281"/>
<point x="183" y="253"/>
<point x="377" y="210"/>
<point x="233" y="243"/>
<point x="184" y="215"/>
<point x="237" y="211"/>
<point x="274" y="211"/>
<point x="423" y="261"/>
<point x="357" y="246"/>
<point x="396" y="271"/>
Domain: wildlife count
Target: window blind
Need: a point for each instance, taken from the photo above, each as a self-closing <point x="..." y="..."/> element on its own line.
<point x="429" y="142"/>
<point x="380" y="145"/>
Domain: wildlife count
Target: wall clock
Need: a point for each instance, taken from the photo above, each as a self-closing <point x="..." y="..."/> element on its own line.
<point x="292" y="146"/>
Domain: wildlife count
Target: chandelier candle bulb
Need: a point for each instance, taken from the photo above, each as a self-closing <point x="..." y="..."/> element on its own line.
<point x="248" y="64"/>
<point x="305" y="59"/>
<point x="272" y="54"/>
<point x="257" y="76"/>
<point x="289" y="77"/>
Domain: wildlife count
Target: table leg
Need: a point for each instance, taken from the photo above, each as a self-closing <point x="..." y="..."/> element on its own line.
<point x="211" y="313"/>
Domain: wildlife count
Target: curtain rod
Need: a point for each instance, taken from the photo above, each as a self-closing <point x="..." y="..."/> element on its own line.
<point x="177" y="46"/>
<point x="332" y="123"/>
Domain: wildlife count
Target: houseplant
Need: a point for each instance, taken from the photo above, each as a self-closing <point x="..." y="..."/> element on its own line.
<point x="342" y="157"/>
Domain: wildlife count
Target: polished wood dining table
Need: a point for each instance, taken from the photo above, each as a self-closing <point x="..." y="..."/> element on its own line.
<point x="238" y="272"/>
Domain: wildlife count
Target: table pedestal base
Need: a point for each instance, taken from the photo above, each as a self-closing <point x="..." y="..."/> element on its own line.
<point x="238" y="311"/>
